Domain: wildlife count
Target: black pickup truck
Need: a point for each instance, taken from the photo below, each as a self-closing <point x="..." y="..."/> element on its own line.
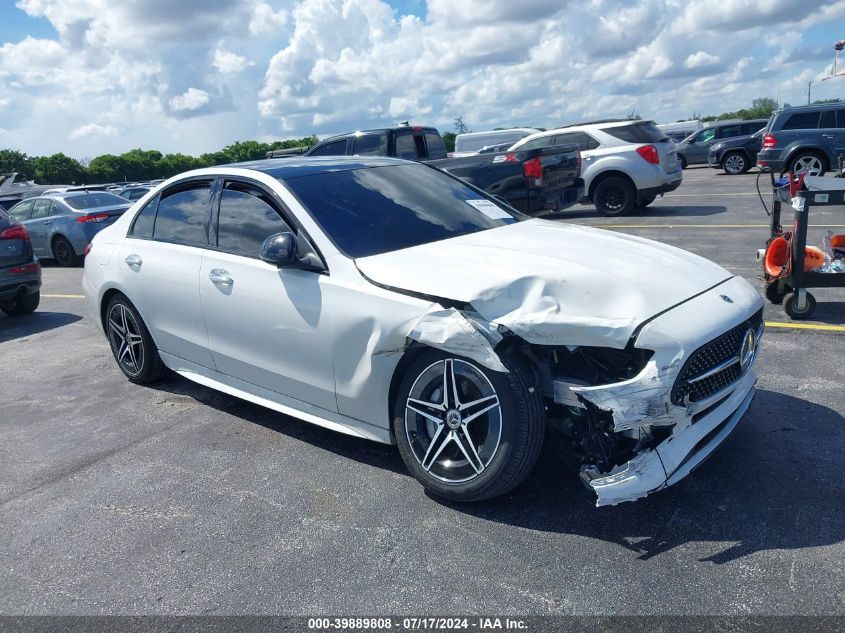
<point x="534" y="181"/>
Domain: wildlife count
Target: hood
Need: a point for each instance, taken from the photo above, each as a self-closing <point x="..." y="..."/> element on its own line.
<point x="551" y="283"/>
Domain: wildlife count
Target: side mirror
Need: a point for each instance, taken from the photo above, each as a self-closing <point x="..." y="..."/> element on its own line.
<point x="279" y="250"/>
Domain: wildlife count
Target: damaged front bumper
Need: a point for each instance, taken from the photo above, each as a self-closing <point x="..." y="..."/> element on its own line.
<point x="679" y="454"/>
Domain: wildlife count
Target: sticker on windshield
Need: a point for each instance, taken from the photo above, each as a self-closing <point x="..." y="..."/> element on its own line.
<point x="490" y="210"/>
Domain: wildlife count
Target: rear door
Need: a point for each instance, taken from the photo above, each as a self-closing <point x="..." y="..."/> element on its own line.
<point x="160" y="263"/>
<point x="267" y="326"/>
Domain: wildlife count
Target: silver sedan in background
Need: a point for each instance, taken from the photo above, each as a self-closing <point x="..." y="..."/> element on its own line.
<point x="61" y="225"/>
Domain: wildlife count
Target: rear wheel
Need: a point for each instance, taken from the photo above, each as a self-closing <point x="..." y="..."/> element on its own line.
<point x="64" y="253"/>
<point x="465" y="432"/>
<point x="131" y="344"/>
<point x="25" y="304"/>
<point x="735" y="163"/>
<point x="614" y="196"/>
<point x="809" y="162"/>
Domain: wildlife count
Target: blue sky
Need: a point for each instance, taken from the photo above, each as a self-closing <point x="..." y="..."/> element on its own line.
<point x="87" y="77"/>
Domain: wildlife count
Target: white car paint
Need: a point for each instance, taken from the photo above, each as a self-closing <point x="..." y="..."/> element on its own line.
<point x="328" y="349"/>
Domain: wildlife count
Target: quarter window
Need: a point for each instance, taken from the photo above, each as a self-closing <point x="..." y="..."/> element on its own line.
<point x="247" y="217"/>
<point x="183" y="214"/>
<point x="828" y="119"/>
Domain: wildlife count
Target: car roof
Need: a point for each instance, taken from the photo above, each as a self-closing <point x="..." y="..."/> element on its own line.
<point x="379" y="130"/>
<point x="814" y="106"/>
<point x="295" y="166"/>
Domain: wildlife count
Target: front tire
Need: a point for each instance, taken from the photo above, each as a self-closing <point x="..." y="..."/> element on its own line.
<point x="467" y="433"/>
<point x="614" y="196"/>
<point x="735" y="164"/>
<point x="64" y="253"/>
<point x="20" y="306"/>
<point x="131" y="344"/>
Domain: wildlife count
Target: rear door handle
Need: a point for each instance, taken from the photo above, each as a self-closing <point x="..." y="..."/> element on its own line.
<point x="827" y="136"/>
<point x="48" y="221"/>
<point x="134" y="262"/>
<point x="221" y="277"/>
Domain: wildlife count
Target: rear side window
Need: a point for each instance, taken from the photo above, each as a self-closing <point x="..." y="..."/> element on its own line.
<point x="537" y="143"/>
<point x="828" y="119"/>
<point x="637" y="133"/>
<point x="583" y="140"/>
<point x="802" y="121"/>
<point x="183" y="214"/>
<point x="247" y="217"/>
<point x="406" y="147"/>
<point x="371" y="145"/>
<point x="336" y="148"/>
<point x="144" y="222"/>
<point x="436" y="146"/>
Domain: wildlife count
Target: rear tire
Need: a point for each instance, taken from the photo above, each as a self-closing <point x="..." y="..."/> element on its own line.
<point x="131" y="344"/>
<point x="481" y="447"/>
<point x="63" y="251"/>
<point x="19" y="306"/>
<point x="807" y="160"/>
<point x="735" y="163"/>
<point x="614" y="196"/>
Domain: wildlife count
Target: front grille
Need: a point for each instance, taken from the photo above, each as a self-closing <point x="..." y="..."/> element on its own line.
<point x="720" y="350"/>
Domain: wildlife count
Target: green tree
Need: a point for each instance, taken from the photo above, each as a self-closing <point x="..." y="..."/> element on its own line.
<point x="11" y="160"/>
<point x="57" y="169"/>
<point x="449" y="141"/>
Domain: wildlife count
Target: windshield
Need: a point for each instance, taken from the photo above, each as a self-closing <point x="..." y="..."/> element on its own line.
<point x="94" y="200"/>
<point x="380" y="209"/>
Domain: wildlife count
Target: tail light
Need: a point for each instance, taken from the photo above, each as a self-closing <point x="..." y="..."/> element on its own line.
<point x="94" y="217"/>
<point x="29" y="268"/>
<point x="769" y="141"/>
<point x="649" y="154"/>
<point x="17" y="232"/>
<point x="533" y="171"/>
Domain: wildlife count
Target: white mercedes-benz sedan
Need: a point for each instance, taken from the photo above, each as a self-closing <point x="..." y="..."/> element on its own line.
<point x="391" y="301"/>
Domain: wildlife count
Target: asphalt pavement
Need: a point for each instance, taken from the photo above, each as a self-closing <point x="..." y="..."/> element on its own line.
<point x="176" y="499"/>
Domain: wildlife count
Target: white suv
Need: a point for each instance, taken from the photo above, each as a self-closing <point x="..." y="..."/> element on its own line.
<point x="626" y="164"/>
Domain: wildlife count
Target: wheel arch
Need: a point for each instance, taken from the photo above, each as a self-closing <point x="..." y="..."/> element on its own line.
<point x="809" y="149"/>
<point x="610" y="173"/>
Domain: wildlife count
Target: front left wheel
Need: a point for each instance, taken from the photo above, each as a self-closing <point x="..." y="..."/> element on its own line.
<point x="735" y="164"/>
<point x="131" y="344"/>
<point x="465" y="432"/>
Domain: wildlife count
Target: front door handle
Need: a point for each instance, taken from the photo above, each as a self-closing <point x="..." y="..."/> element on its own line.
<point x="134" y="262"/>
<point x="48" y="221"/>
<point x="221" y="277"/>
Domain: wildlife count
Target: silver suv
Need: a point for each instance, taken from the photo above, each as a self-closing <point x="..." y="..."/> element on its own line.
<point x="626" y="164"/>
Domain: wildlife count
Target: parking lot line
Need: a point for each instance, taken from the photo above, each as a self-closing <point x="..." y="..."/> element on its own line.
<point x="62" y="296"/>
<point x="698" y="195"/>
<point x="807" y="326"/>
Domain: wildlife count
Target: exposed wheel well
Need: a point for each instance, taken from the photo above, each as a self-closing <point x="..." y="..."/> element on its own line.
<point x="107" y="297"/>
<point x="737" y="150"/>
<point x="609" y="174"/>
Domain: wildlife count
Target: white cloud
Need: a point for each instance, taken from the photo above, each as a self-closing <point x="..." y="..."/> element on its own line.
<point x="264" y="20"/>
<point x="92" y="129"/>
<point x="229" y="63"/>
<point x="701" y="59"/>
<point x="191" y="99"/>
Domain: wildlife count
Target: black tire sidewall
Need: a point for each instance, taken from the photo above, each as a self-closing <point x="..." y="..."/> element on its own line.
<point x="150" y="370"/>
<point x="475" y="488"/>
<point x="790" y="302"/>
<point x="626" y="187"/>
<point x="22" y="305"/>
<point x="72" y="260"/>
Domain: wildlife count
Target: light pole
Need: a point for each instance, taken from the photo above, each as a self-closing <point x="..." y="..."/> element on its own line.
<point x="809" y="88"/>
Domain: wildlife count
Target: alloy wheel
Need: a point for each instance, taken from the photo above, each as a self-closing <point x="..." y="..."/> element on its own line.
<point x="734" y="164"/>
<point x="810" y="164"/>
<point x="62" y="252"/>
<point x="453" y="421"/>
<point x="126" y="340"/>
<point x="613" y="198"/>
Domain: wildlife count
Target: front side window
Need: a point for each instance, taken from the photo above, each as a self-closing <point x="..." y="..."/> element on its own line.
<point x="380" y="209"/>
<point x="247" y="217"/>
<point x="802" y="121"/>
<point x="21" y="210"/>
<point x="337" y="148"/>
<point x="144" y="222"/>
<point x="705" y="136"/>
<point x="183" y="214"/>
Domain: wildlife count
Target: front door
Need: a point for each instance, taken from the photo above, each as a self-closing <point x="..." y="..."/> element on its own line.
<point x="40" y="225"/>
<point x="266" y="326"/>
